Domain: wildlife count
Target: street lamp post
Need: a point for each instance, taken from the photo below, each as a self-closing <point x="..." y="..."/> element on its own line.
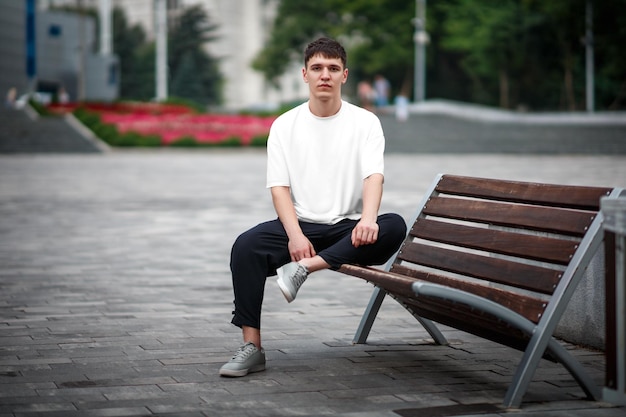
<point x="105" y="27"/>
<point x="420" y="38"/>
<point x="161" y="50"/>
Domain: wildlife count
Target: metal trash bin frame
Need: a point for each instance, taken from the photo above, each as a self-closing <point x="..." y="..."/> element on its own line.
<point x="614" y="212"/>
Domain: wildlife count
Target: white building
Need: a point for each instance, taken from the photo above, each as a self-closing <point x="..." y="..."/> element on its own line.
<point x="244" y="26"/>
<point x="48" y="52"/>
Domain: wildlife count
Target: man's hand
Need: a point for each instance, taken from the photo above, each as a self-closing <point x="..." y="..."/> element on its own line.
<point x="364" y="233"/>
<point x="300" y="248"/>
<point x="366" y="230"/>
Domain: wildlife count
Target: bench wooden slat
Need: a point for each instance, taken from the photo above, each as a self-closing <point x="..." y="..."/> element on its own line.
<point x="520" y="275"/>
<point x="540" y="218"/>
<point x="398" y="283"/>
<point x="538" y="248"/>
<point x="468" y="320"/>
<point x="580" y="197"/>
<point x="399" y="279"/>
<point x="525" y="305"/>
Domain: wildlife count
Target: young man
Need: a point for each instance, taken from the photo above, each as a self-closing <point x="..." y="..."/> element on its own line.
<point x="325" y="173"/>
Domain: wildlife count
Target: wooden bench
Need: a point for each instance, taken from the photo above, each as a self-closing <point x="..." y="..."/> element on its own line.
<point x="498" y="259"/>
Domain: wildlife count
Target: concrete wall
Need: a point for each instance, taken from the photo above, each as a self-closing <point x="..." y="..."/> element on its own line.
<point x="583" y="322"/>
<point x="102" y="78"/>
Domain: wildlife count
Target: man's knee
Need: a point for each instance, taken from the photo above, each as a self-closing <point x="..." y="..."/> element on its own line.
<point x="243" y="245"/>
<point x="392" y="227"/>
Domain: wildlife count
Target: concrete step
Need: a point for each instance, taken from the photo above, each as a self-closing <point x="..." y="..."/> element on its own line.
<point x="21" y="133"/>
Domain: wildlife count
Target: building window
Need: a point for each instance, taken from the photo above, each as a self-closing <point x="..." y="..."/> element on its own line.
<point x="112" y="79"/>
<point x="54" y="31"/>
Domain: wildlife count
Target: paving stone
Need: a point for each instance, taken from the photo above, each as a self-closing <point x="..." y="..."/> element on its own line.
<point x="116" y="297"/>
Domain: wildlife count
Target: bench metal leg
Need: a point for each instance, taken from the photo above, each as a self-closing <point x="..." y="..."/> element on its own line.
<point x="433" y="330"/>
<point x="576" y="370"/>
<point x="527" y="367"/>
<point x="369" y="316"/>
<point x="367" y="321"/>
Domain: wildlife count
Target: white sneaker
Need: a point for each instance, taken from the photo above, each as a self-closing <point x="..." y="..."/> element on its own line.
<point x="248" y="358"/>
<point x="291" y="276"/>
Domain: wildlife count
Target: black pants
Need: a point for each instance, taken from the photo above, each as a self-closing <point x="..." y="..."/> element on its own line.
<point x="258" y="252"/>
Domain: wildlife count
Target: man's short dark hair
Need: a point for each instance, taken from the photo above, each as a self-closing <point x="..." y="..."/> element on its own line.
<point x="326" y="47"/>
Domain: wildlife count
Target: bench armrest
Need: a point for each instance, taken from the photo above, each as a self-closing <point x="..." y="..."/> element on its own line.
<point x="428" y="289"/>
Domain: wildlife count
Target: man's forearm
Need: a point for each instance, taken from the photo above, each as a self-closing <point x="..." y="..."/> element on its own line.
<point x="281" y="198"/>
<point x="372" y="196"/>
<point x="299" y="245"/>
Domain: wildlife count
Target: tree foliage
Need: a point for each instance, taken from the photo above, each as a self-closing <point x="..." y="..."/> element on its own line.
<point x="510" y="53"/>
<point x="129" y="45"/>
<point x="194" y="74"/>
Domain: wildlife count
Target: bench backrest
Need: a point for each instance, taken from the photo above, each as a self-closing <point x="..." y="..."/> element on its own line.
<point x="510" y="242"/>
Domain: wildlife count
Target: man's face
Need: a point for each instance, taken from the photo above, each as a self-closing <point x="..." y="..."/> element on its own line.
<point x="325" y="76"/>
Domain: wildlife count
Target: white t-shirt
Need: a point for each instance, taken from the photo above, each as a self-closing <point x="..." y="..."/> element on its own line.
<point x="324" y="160"/>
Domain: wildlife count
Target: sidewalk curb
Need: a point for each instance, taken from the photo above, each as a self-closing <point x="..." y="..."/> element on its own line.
<point x="87" y="134"/>
<point x="476" y="112"/>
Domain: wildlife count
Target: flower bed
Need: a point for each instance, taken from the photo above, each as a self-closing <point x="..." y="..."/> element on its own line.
<point x="204" y="128"/>
<point x="126" y="107"/>
<point x="172" y="124"/>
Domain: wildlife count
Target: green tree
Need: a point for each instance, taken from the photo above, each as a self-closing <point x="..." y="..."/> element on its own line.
<point x="382" y="34"/>
<point x="295" y="24"/>
<point x="187" y="82"/>
<point x="509" y="53"/>
<point x="189" y="62"/>
<point x="144" y="73"/>
<point x="129" y="43"/>
<point x="531" y="53"/>
<point x="609" y="41"/>
<point x="377" y="35"/>
<point x="491" y="36"/>
<point x="563" y="27"/>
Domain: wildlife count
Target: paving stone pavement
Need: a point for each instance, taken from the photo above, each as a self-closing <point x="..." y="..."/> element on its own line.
<point x="115" y="298"/>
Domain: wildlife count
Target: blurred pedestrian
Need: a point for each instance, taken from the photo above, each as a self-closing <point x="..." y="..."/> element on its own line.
<point x="63" y="96"/>
<point x="10" y="98"/>
<point x="366" y="94"/>
<point x="402" y="107"/>
<point x="382" y="89"/>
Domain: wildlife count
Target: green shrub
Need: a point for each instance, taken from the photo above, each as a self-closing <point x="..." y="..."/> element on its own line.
<point x="185" y="142"/>
<point x="232" y="141"/>
<point x="39" y="108"/>
<point x="149" y="141"/>
<point x="130" y="139"/>
<point x="193" y="105"/>
<point x="87" y="118"/>
<point x="107" y="133"/>
<point x="127" y="139"/>
<point x="191" y="142"/>
<point x="259" y="141"/>
<point x="130" y="136"/>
